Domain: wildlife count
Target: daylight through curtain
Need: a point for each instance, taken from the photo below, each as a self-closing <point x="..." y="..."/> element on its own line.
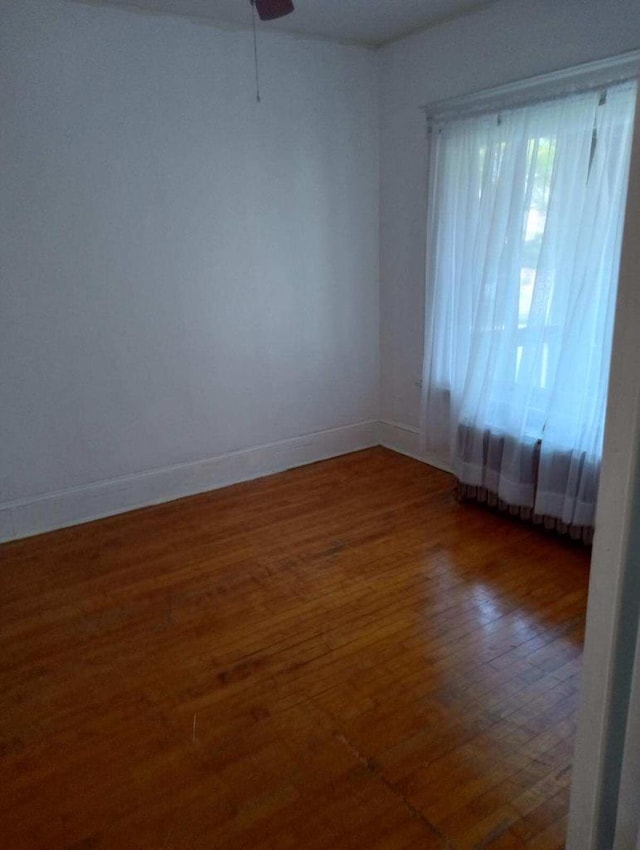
<point x="524" y="246"/>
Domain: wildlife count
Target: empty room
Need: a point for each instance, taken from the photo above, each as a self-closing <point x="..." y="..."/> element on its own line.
<point x="319" y="424"/>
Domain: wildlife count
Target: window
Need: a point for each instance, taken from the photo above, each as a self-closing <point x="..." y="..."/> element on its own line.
<point x="526" y="216"/>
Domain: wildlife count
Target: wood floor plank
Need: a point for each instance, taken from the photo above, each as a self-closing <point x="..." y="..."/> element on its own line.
<point x="338" y="656"/>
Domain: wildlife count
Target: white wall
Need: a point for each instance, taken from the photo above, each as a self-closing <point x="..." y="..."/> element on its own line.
<point x="185" y="273"/>
<point x="508" y="41"/>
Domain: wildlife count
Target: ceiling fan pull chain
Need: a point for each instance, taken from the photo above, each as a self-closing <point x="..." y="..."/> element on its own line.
<point x="255" y="48"/>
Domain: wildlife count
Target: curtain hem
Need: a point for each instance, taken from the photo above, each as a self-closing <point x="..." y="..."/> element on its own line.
<point x="489" y="499"/>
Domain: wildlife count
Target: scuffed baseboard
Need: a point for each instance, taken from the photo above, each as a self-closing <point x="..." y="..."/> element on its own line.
<point x="25" y="517"/>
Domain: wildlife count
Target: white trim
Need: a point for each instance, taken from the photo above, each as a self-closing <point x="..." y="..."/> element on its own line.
<point x="585" y="77"/>
<point x="628" y="821"/>
<point x="614" y="586"/>
<point x="405" y="439"/>
<point x="24" y="517"/>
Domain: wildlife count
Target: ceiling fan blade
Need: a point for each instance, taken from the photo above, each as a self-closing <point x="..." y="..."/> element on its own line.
<point x="268" y="10"/>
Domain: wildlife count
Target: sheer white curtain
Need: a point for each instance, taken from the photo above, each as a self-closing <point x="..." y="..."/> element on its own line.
<point x="525" y="230"/>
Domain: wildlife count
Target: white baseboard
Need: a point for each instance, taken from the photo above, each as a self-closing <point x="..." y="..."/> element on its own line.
<point x="26" y="517"/>
<point x="405" y="439"/>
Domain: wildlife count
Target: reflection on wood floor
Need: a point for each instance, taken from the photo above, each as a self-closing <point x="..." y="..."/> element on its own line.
<point x="339" y="656"/>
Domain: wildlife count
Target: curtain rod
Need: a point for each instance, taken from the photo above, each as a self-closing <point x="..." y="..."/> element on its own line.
<point x="590" y="76"/>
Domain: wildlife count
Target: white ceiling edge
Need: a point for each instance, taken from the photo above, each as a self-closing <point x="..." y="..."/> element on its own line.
<point x="133" y="7"/>
<point x="286" y="26"/>
<point x="463" y="12"/>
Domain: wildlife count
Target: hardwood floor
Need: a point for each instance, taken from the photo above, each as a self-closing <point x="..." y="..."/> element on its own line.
<point x="339" y="656"/>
